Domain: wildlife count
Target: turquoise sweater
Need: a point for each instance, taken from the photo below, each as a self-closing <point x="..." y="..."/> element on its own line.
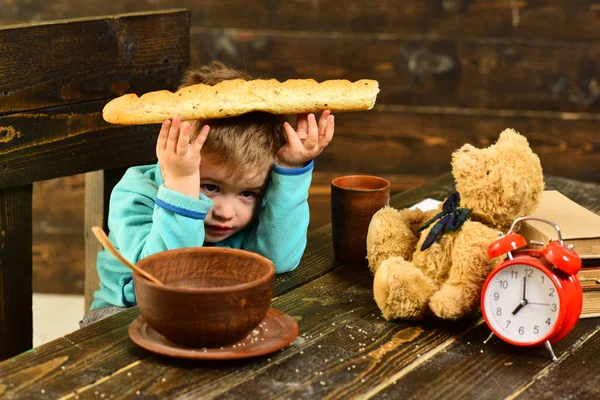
<point x="145" y="218"/>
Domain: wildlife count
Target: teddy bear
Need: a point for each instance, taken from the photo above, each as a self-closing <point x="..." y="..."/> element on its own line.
<point x="434" y="264"/>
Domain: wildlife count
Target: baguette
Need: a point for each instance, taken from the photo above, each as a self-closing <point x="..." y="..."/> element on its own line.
<point x="237" y="96"/>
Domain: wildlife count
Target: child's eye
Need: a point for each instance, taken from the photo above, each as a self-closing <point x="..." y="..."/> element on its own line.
<point x="248" y="194"/>
<point x="209" y="188"/>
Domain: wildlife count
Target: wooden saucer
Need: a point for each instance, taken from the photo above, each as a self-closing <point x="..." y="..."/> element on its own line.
<point x="275" y="332"/>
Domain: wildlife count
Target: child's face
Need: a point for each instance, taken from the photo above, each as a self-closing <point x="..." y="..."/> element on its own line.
<point x="236" y="201"/>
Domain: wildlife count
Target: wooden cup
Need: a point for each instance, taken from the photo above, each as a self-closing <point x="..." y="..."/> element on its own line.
<point x="354" y="200"/>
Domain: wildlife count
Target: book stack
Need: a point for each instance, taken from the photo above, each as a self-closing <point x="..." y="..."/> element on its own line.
<point x="579" y="227"/>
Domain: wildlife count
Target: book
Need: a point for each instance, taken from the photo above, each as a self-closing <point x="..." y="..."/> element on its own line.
<point x="579" y="226"/>
<point x="589" y="277"/>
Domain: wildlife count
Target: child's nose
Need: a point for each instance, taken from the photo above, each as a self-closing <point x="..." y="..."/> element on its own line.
<point x="223" y="210"/>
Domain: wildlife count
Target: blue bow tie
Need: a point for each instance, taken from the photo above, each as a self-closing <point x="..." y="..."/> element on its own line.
<point x="450" y="219"/>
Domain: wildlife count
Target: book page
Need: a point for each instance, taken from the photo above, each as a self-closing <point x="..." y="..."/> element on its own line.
<point x="574" y="220"/>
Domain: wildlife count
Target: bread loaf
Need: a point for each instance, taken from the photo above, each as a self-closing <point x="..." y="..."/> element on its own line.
<point x="235" y="97"/>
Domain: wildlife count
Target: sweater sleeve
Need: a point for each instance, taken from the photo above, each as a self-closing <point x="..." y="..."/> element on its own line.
<point x="280" y="234"/>
<point x="145" y="218"/>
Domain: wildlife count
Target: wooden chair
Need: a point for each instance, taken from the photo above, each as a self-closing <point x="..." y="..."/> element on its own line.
<point x="55" y="79"/>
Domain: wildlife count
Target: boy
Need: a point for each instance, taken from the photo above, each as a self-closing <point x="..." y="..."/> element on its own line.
<point x="243" y="185"/>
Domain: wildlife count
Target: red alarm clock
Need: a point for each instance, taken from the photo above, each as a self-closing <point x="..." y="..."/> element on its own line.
<point x="534" y="296"/>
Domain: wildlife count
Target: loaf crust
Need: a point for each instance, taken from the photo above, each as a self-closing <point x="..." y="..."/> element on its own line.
<point x="235" y="97"/>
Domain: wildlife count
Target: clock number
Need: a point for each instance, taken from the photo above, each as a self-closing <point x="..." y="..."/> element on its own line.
<point x="552" y="290"/>
<point x="553" y="307"/>
<point x="498" y="311"/>
<point x="503" y="284"/>
<point x="496" y="295"/>
<point x="514" y="275"/>
<point x="543" y="276"/>
<point x="521" y="330"/>
<point x="529" y="272"/>
<point x="536" y="329"/>
<point x="548" y="321"/>
<point x="507" y="323"/>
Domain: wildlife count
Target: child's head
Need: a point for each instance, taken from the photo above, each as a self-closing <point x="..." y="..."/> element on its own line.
<point x="237" y="157"/>
<point x="247" y="142"/>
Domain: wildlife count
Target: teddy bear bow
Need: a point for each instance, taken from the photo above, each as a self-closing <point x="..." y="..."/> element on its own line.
<point x="450" y="219"/>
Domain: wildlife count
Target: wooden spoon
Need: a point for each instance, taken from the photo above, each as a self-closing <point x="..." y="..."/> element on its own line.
<point x="102" y="238"/>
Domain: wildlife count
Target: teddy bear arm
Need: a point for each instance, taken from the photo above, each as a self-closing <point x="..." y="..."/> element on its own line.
<point x="414" y="219"/>
<point x="390" y="235"/>
<point x="460" y="294"/>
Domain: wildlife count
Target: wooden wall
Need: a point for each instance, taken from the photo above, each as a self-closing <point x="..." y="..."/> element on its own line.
<point x="450" y="72"/>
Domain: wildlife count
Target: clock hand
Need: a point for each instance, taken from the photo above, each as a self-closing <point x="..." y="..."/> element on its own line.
<point x="522" y="304"/>
<point x="539" y="304"/>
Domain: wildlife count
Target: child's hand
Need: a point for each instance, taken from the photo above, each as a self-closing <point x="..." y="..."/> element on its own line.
<point x="180" y="159"/>
<point x="307" y="141"/>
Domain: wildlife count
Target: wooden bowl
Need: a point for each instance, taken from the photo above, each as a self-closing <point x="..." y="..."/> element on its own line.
<point x="212" y="296"/>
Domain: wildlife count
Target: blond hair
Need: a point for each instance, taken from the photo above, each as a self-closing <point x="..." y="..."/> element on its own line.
<point x="248" y="141"/>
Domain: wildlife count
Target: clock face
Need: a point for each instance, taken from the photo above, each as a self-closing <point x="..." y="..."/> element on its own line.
<point x="521" y="304"/>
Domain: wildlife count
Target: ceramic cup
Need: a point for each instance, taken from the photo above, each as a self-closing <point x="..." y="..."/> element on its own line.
<point x="354" y="200"/>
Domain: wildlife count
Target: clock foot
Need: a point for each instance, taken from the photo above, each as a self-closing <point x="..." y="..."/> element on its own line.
<point x="549" y="348"/>
<point x="488" y="338"/>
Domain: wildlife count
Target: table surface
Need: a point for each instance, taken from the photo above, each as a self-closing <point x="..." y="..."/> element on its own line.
<point x="345" y="348"/>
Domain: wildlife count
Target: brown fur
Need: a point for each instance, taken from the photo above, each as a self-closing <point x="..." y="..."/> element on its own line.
<point x="499" y="184"/>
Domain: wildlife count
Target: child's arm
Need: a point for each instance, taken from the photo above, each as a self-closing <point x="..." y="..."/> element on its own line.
<point x="280" y="234"/>
<point x="173" y="217"/>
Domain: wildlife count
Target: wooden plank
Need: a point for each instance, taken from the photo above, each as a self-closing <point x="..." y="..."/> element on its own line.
<point x="91" y="58"/>
<point x="58" y="262"/>
<point x="499" y="18"/>
<point x="16" y="318"/>
<point x="575" y="377"/>
<point x="472" y="72"/>
<point x="69" y="140"/>
<point x="467" y="367"/>
<point x="57" y="225"/>
<point x="85" y="360"/>
<point x="58" y="205"/>
<point x="418" y="142"/>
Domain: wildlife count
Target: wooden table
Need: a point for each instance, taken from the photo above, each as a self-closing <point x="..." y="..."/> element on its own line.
<point x="345" y="348"/>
